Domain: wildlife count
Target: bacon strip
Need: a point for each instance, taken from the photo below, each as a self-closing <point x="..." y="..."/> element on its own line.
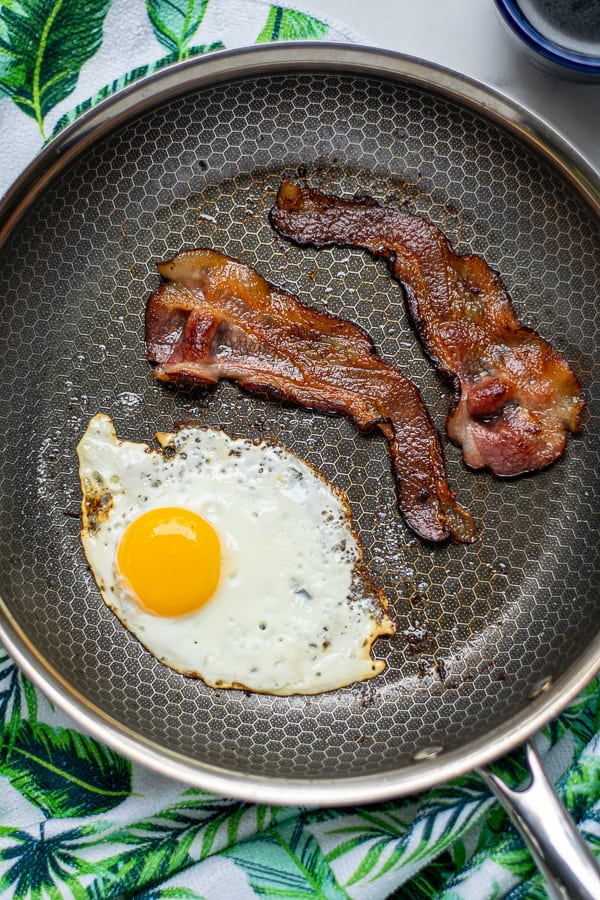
<point x="213" y="317"/>
<point x="515" y="397"/>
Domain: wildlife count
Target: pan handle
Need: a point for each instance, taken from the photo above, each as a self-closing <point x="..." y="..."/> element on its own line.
<point x="557" y="847"/>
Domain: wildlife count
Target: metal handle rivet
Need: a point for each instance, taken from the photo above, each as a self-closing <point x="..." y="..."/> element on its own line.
<point x="541" y="688"/>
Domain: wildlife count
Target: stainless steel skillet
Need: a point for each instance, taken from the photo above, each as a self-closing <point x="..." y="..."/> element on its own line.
<point x="493" y="639"/>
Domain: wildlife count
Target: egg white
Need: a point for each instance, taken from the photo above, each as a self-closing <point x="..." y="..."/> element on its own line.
<point x="293" y="613"/>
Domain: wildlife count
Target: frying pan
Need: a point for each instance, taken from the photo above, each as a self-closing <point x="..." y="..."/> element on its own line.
<point x="493" y="638"/>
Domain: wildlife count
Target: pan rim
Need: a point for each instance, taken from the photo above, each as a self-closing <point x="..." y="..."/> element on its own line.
<point x="253" y="788"/>
<point x="139" y="97"/>
<point x="228" y="65"/>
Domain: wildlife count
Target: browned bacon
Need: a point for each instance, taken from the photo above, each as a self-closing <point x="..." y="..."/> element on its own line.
<point x="515" y="398"/>
<point x="214" y="317"/>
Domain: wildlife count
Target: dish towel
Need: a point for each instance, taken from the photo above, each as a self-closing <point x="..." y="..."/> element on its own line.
<point x="76" y="819"/>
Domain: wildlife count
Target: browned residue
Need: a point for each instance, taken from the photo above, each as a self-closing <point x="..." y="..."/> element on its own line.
<point x="96" y="508"/>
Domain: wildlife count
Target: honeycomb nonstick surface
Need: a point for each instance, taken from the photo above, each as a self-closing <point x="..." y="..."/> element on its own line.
<point x="479" y="627"/>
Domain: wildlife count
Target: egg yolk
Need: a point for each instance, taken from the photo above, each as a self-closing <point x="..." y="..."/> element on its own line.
<point x="171" y="559"/>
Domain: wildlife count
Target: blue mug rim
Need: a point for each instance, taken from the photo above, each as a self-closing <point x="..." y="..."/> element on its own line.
<point x="579" y="62"/>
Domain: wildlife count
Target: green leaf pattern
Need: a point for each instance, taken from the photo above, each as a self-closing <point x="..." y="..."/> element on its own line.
<point x="175" y="22"/>
<point x="79" y="821"/>
<point x="43" y="45"/>
<point x="82" y="834"/>
<point x="290" y="25"/>
<point x="64" y="773"/>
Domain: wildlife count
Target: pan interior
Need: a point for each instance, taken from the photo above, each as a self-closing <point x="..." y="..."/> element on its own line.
<point x="479" y="627"/>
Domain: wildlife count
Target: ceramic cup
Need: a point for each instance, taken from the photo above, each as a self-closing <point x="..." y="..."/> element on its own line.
<point x="561" y="36"/>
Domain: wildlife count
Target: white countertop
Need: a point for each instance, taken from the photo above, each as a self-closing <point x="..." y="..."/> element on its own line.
<point x="468" y="36"/>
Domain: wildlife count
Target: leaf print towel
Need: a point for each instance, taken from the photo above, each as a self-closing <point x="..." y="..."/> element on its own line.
<point x="77" y="820"/>
<point x="175" y="24"/>
<point x="45" y="44"/>
<point x="59" y="57"/>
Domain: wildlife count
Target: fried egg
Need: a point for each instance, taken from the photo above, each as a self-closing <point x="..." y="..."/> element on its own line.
<point x="230" y="560"/>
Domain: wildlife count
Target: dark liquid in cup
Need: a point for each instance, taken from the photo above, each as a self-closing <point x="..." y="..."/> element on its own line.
<point x="572" y="24"/>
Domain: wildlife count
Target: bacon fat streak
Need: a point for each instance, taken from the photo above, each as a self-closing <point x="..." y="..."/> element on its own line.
<point x="214" y="317"/>
<point x="515" y="397"/>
